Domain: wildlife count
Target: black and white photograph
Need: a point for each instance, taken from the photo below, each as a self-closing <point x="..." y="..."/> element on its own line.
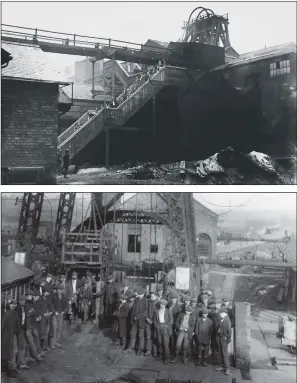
<point x="148" y="93"/>
<point x="148" y="287"/>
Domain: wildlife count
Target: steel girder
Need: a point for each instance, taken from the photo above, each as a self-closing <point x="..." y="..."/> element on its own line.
<point x="29" y="222"/>
<point x="64" y="215"/>
<point x="181" y="221"/>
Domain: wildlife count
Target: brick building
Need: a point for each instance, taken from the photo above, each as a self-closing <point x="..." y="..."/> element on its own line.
<point x="30" y="113"/>
<point x="140" y="242"/>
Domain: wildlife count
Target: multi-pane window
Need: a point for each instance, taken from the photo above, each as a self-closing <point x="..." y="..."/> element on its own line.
<point x="204" y="245"/>
<point x="279" y="68"/>
<point x="154" y="248"/>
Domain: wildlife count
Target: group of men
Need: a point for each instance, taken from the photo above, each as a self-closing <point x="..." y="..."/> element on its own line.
<point x="164" y="324"/>
<point x="160" y="323"/>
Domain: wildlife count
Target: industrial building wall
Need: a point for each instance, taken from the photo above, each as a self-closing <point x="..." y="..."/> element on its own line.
<point x="29" y="124"/>
<point x="206" y="223"/>
<point x="279" y="110"/>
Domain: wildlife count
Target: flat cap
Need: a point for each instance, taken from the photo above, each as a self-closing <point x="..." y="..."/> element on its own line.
<point x="140" y="290"/>
<point x="62" y="276"/>
<point x="222" y="310"/>
<point x="204" y="296"/>
<point x="29" y="292"/>
<point x="13" y="301"/>
<point x="193" y="300"/>
<point x="163" y="302"/>
<point x="187" y="298"/>
<point x="204" y="311"/>
<point x="49" y="276"/>
<point x="22" y="298"/>
<point x="74" y="273"/>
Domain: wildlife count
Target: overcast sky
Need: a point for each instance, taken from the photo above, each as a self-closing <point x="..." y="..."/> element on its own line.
<point x="252" y="24"/>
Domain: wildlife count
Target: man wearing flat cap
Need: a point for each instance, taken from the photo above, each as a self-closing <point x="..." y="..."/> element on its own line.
<point x="139" y="314"/>
<point x="10" y="338"/>
<point x="162" y="320"/>
<point x="149" y="326"/>
<point x="46" y="312"/>
<point x="203" y="331"/>
<point x="60" y="305"/>
<point x="72" y="291"/>
<point x="111" y="293"/>
<point x="37" y="322"/>
<point x="224" y="336"/>
<point x="214" y="316"/>
<point x="85" y="299"/>
<point x="175" y="309"/>
<point x="185" y="325"/>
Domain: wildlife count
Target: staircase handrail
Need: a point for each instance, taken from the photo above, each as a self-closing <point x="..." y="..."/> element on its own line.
<point x="69" y="131"/>
<point x="77" y="131"/>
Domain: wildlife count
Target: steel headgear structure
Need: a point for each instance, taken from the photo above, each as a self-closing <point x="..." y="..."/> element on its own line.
<point x="207" y="28"/>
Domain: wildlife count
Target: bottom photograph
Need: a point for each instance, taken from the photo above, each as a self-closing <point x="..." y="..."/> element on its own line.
<point x="148" y="287"/>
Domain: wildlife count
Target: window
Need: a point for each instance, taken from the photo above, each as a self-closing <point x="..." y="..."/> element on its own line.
<point x="134" y="243"/>
<point x="279" y="68"/>
<point x="204" y="245"/>
<point x="154" y="248"/>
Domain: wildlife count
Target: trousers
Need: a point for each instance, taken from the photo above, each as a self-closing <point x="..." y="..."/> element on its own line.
<point x="36" y="336"/>
<point x="163" y="341"/>
<point x="150" y="338"/>
<point x="223" y="345"/>
<point x="53" y="330"/>
<point x="203" y="351"/>
<point x="184" y="341"/>
<point x="12" y="362"/>
<point x="30" y="340"/>
<point x="60" y="322"/>
<point x="137" y="329"/>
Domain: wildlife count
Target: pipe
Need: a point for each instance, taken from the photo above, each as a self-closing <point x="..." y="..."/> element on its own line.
<point x="238" y="262"/>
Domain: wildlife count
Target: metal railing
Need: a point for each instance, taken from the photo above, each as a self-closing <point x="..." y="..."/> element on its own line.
<point x="41" y="35"/>
<point x="76" y="140"/>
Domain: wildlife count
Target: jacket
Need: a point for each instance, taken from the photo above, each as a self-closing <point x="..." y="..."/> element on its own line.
<point x="224" y="329"/>
<point x="140" y="309"/>
<point x="10" y="326"/>
<point x="59" y="304"/>
<point x="69" y="289"/>
<point x="110" y="293"/>
<point x="164" y="328"/>
<point x="151" y="309"/>
<point x="203" y="330"/>
<point x="191" y="325"/>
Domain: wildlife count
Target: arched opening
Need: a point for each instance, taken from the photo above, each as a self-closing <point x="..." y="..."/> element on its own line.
<point x="204" y="245"/>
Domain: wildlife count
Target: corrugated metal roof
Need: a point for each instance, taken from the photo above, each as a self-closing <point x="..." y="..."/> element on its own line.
<point x="162" y="43"/>
<point x="289" y="250"/>
<point x="12" y="272"/>
<point x="81" y="91"/>
<point x="261" y="54"/>
<point x="31" y="63"/>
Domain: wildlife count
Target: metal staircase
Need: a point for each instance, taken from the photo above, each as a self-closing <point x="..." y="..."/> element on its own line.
<point x="75" y="139"/>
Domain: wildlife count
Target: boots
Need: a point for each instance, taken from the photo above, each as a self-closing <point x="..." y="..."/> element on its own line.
<point x="198" y="362"/>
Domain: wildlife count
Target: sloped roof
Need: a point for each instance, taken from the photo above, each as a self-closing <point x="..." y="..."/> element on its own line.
<point x="81" y="91"/>
<point x="289" y="250"/>
<point x="31" y="63"/>
<point x="262" y="54"/>
<point x="161" y="43"/>
<point x="13" y="272"/>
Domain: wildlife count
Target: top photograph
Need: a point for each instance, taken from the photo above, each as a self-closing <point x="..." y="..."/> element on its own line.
<point x="143" y="93"/>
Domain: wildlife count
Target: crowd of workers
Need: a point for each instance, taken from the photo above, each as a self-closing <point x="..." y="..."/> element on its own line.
<point x="160" y="322"/>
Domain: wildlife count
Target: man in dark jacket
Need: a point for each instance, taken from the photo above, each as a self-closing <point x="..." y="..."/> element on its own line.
<point x="46" y="312"/>
<point x="111" y="294"/>
<point x="10" y="337"/>
<point x="149" y="326"/>
<point x="185" y="325"/>
<point x="72" y="290"/>
<point x="139" y="314"/>
<point x="30" y="316"/>
<point x="121" y="314"/>
<point x="21" y="310"/>
<point x="214" y="316"/>
<point x="37" y="322"/>
<point x="59" y="304"/>
<point x="66" y="162"/>
<point x="175" y="309"/>
<point x="163" y="328"/>
<point x="224" y="332"/>
<point x="203" y="331"/>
